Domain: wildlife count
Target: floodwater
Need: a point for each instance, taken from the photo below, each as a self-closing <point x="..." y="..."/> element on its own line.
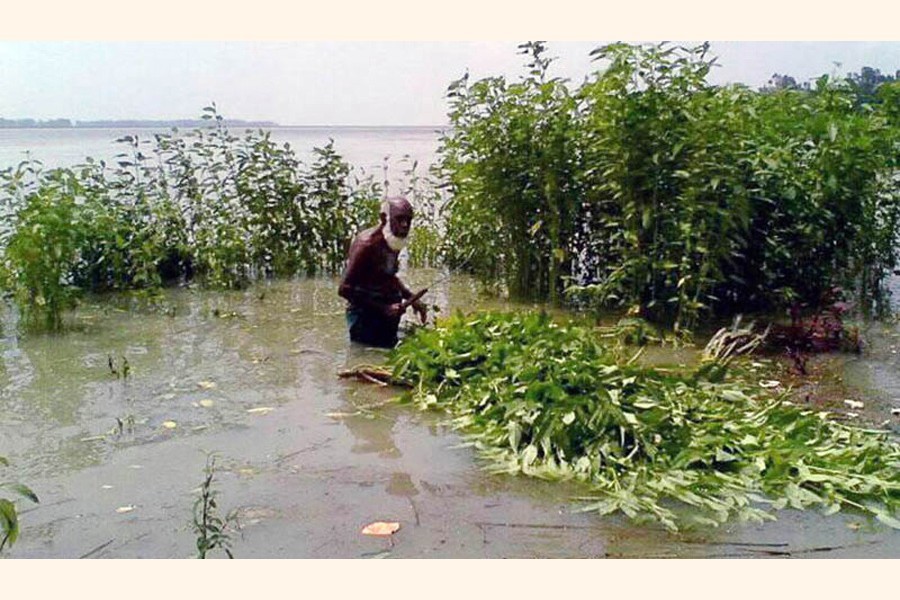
<point x="369" y="149"/>
<point x="304" y="459"/>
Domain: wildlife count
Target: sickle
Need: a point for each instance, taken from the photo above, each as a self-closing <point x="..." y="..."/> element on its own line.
<point x="409" y="301"/>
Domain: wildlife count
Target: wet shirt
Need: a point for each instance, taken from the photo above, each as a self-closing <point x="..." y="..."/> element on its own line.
<point x="371" y="275"/>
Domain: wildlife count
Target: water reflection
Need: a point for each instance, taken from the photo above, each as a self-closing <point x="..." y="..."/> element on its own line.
<point x="401" y="484"/>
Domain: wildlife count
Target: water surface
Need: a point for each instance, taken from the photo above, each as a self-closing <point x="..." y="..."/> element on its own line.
<point x="366" y="148"/>
<point x="305" y="459"/>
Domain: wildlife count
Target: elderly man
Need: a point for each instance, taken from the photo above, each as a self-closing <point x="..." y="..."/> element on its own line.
<point x="370" y="283"/>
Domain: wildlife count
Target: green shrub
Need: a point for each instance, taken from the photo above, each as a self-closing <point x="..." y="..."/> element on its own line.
<point x="646" y="188"/>
<point x="512" y="161"/>
<point x="204" y="205"/>
<point x="42" y="253"/>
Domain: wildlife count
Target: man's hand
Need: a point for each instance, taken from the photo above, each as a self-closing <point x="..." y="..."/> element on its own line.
<point x="395" y="310"/>
<point x="421" y="310"/>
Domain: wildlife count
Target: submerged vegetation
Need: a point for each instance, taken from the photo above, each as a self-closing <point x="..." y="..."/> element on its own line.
<point x="204" y="205"/>
<point x="650" y="189"/>
<point x="211" y="529"/>
<point x="9" y="517"/>
<point x="552" y="401"/>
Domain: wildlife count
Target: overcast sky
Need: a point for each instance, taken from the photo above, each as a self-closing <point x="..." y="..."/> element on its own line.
<point x="331" y="83"/>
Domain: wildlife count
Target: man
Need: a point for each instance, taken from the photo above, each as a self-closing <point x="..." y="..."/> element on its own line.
<point x="370" y="283"/>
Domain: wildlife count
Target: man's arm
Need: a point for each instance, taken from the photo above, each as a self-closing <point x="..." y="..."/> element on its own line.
<point x="363" y="299"/>
<point x="406" y="294"/>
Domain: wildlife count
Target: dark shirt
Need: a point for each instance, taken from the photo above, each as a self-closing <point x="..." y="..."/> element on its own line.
<point x="370" y="280"/>
<point x="370" y="285"/>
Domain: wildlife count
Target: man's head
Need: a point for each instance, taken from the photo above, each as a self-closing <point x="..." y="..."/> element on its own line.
<point x="396" y="221"/>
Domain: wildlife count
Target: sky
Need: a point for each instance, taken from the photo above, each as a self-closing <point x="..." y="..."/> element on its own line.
<point x="332" y="83"/>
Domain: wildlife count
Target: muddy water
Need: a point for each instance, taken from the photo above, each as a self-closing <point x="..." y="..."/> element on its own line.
<point x="305" y="459"/>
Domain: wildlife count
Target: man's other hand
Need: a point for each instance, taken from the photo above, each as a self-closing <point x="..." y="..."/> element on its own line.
<point x="394" y="310"/>
<point x="421" y="310"/>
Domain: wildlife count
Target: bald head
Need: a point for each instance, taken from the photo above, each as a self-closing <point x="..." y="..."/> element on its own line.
<point x="397" y="205"/>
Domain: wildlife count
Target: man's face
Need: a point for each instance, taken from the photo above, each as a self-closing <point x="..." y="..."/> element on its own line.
<point x="401" y="221"/>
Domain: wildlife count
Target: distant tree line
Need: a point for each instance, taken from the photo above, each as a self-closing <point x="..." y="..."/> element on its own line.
<point x="863" y="84"/>
<point x="67" y="123"/>
<point x="34" y="123"/>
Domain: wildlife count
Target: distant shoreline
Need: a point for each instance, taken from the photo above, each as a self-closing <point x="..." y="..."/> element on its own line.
<point x="118" y="123"/>
<point x="186" y="123"/>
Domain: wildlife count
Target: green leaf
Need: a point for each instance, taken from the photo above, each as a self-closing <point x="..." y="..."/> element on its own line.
<point x="832" y="509"/>
<point x="749" y="440"/>
<point x="887" y="520"/>
<point x="724" y="456"/>
<point x="514" y="434"/>
<point x="734" y="395"/>
<point x="22" y="490"/>
<point x="529" y="455"/>
<point x="9" y="521"/>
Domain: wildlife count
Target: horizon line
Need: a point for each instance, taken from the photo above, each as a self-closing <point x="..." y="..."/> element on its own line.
<point x="104" y="123"/>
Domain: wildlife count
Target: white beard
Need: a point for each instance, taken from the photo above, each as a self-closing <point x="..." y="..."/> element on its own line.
<point x="394" y="242"/>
